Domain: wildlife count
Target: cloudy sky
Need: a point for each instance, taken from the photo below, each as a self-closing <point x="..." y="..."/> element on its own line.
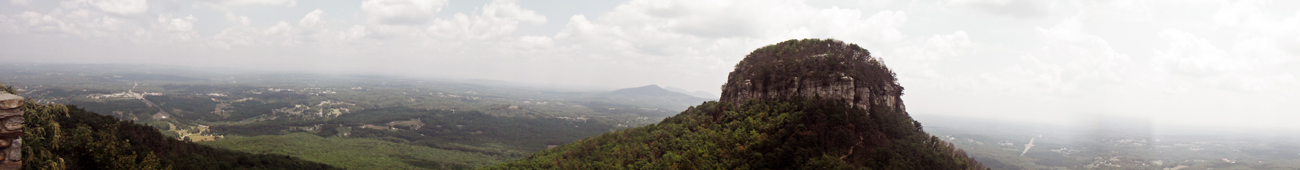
<point x="1180" y="62"/>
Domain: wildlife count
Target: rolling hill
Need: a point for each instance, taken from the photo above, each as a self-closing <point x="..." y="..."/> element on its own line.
<point x="798" y="104"/>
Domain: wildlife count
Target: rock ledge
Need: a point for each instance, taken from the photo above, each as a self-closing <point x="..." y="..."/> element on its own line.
<point x="814" y="68"/>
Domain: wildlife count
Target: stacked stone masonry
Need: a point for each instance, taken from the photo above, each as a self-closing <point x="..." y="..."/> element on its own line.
<point x="11" y="132"/>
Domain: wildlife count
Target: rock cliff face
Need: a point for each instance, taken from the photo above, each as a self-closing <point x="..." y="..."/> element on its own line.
<point x="814" y="68"/>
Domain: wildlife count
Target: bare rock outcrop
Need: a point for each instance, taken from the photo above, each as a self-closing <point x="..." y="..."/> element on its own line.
<point x="827" y="69"/>
<point x="10" y="101"/>
<point x="11" y="131"/>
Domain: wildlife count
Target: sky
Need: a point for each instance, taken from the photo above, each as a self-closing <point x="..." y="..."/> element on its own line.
<point x="1207" y="63"/>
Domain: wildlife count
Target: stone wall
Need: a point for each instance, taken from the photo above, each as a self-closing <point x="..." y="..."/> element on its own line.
<point x="11" y="131"/>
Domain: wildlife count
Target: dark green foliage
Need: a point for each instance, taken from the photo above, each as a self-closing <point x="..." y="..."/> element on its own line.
<point x="188" y="107"/>
<point x="440" y="129"/>
<point x="68" y="92"/>
<point x="789" y="59"/>
<point x="6" y="88"/>
<point x="994" y="163"/>
<point x="479" y="140"/>
<point x="129" y="108"/>
<point x="253" y="108"/>
<point x="254" y="129"/>
<point x="66" y="137"/>
<point x="774" y="134"/>
<point x="356" y="153"/>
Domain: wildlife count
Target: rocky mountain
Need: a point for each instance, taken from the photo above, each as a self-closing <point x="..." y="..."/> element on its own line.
<point x="813" y="68"/>
<point x="648" y="91"/>
<point x="798" y="104"/>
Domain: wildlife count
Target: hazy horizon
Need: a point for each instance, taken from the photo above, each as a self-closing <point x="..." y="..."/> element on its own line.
<point x="1208" y="64"/>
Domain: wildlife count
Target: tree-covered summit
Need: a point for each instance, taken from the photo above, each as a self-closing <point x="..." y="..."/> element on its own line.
<point x="798" y="104"/>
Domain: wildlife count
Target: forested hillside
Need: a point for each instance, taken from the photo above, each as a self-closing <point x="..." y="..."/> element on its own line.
<point x="798" y="104"/>
<point x="68" y="137"/>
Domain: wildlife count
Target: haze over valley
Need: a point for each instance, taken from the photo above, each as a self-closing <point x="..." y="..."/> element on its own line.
<point x="646" y="84"/>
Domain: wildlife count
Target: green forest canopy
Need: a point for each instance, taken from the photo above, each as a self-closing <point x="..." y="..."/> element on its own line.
<point x="796" y="133"/>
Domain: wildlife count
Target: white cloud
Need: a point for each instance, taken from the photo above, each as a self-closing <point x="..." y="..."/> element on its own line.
<point x="1238" y="12"/>
<point x="60" y="22"/>
<point x="1069" y="61"/>
<point x="536" y="42"/>
<point x="704" y="39"/>
<point x="669" y="27"/>
<point x="499" y="18"/>
<point x="509" y="10"/>
<point x="115" y="20"/>
<point x="178" y="24"/>
<point x="1257" y="33"/>
<point x="240" y="34"/>
<point x="881" y="27"/>
<point x="1210" y="66"/>
<point x="280" y="29"/>
<point x="40" y="23"/>
<point x="1191" y="55"/>
<point x="287" y="3"/>
<point x="312" y="29"/>
<point x="177" y="29"/>
<point x="123" y="7"/>
<point x="919" y="59"/>
<point x="241" y="20"/>
<point x="353" y="33"/>
<point x="20" y="2"/>
<point x="1014" y="8"/>
<point x="401" y="12"/>
<point x="393" y="32"/>
<point x="959" y="56"/>
<point x="577" y="28"/>
<point x="311" y="19"/>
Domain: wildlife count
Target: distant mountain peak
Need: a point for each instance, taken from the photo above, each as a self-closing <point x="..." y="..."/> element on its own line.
<point x="648" y="90"/>
<point x="653" y="96"/>
<point x="651" y="86"/>
<point x="700" y="94"/>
